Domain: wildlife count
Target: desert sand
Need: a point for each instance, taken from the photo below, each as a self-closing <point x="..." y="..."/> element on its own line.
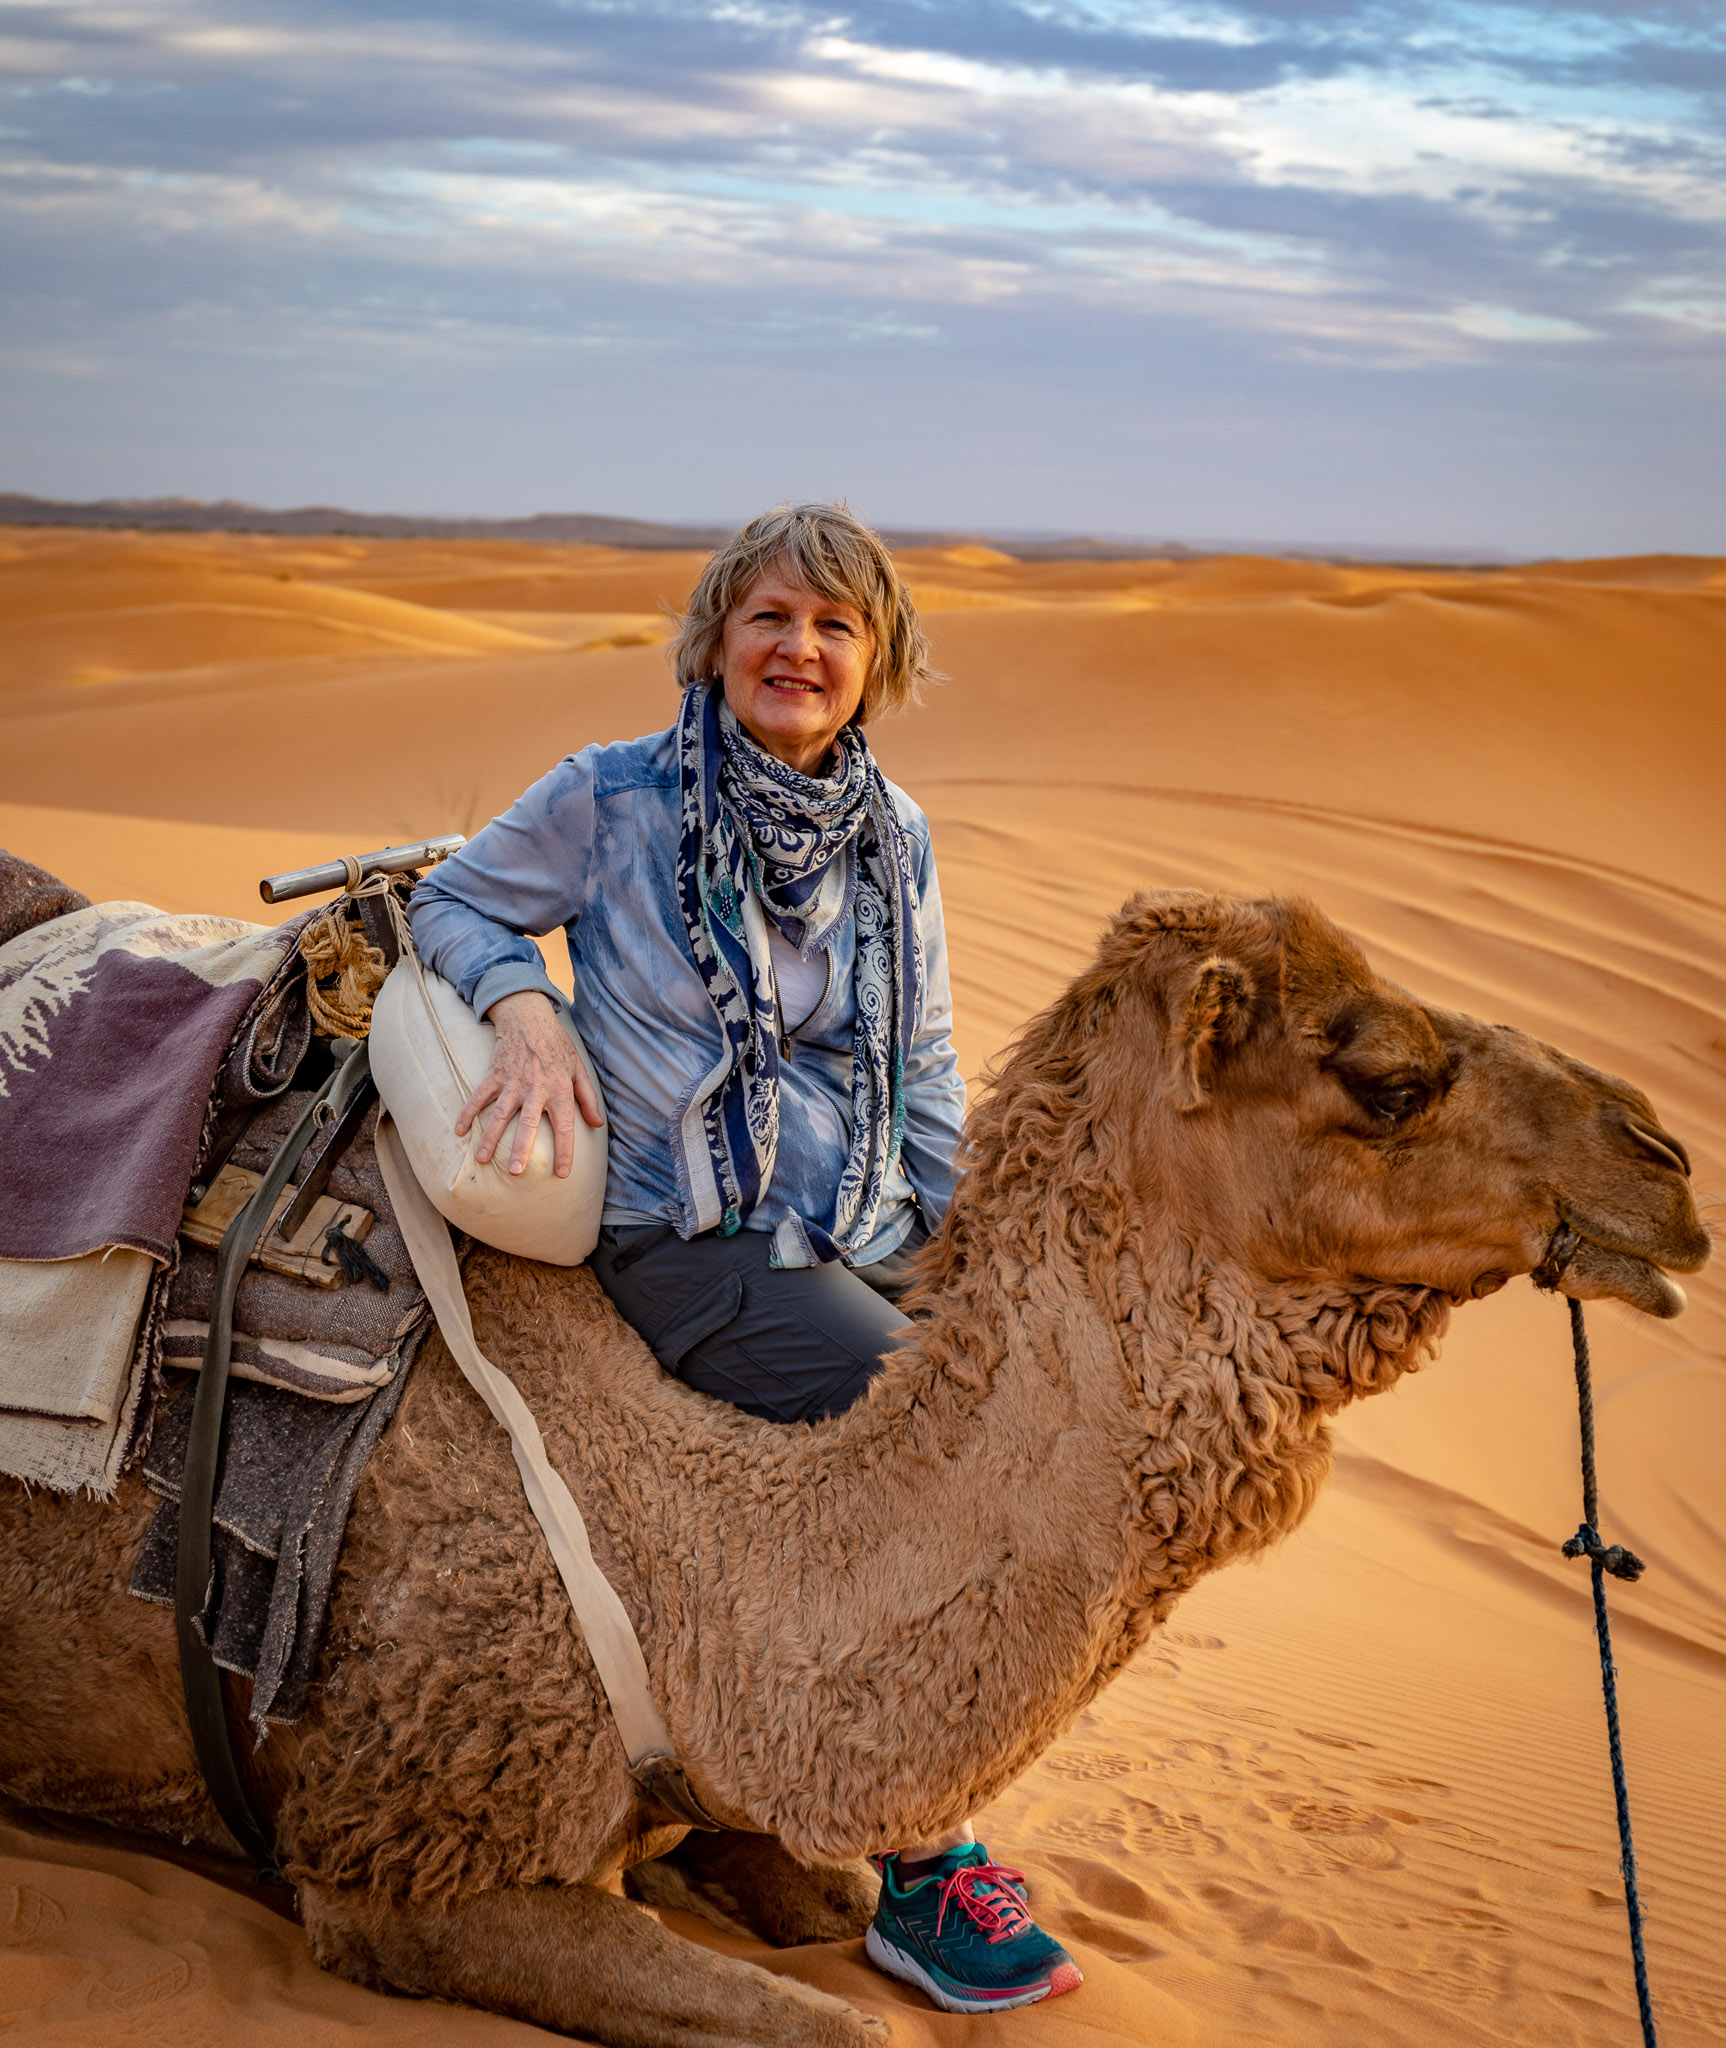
<point x="1357" y="1793"/>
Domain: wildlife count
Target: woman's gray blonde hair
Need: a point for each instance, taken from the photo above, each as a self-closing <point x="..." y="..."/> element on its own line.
<point x="842" y="560"/>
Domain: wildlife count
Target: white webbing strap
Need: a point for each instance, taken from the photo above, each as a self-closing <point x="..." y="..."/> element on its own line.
<point x="611" y="1640"/>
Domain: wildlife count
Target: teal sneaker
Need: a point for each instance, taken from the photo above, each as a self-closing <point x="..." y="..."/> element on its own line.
<point x="964" y="1935"/>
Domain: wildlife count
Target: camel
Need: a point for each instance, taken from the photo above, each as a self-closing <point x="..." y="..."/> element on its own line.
<point x="1228" y="1182"/>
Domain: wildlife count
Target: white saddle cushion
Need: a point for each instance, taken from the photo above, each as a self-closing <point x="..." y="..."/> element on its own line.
<point x="533" y="1213"/>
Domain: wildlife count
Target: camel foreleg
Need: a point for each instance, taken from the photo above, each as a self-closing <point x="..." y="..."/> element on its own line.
<point x="579" y="1961"/>
<point x="749" y="1883"/>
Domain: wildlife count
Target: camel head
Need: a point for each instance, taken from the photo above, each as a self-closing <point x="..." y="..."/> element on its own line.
<point x="1313" y="1122"/>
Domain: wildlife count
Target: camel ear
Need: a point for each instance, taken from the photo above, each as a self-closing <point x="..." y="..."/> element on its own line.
<point x="1218" y="1011"/>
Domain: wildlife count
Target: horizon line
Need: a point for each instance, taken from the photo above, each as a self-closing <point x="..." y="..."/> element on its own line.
<point x="187" y="514"/>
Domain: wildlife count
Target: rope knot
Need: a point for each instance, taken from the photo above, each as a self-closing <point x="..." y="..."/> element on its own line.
<point x="1621" y="1563"/>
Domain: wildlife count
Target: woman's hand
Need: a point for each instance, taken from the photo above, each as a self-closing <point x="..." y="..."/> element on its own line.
<point x="535" y="1069"/>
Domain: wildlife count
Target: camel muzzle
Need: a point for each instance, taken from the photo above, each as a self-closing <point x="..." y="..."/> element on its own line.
<point x="1583" y="1270"/>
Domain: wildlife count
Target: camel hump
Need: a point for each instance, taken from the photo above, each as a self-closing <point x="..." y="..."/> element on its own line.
<point x="30" y="896"/>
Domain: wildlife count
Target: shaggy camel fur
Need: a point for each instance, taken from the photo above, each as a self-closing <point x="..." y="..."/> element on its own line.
<point x="1228" y="1182"/>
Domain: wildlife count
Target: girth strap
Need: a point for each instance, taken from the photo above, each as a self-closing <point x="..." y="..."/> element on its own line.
<point x="206" y="1712"/>
<point x="611" y="1639"/>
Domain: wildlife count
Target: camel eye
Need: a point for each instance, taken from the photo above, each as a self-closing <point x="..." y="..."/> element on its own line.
<point x="1396" y="1103"/>
<point x="1389" y="1095"/>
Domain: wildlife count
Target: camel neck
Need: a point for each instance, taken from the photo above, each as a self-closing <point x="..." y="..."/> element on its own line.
<point x="954" y="1567"/>
<point x="943" y="1555"/>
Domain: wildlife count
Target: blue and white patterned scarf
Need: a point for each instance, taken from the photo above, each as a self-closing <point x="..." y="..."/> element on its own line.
<point x="760" y="840"/>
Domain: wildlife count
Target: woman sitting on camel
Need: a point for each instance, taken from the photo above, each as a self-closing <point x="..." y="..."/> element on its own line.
<point x="761" y="983"/>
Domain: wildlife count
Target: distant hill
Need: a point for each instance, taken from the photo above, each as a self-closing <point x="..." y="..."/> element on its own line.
<point x="229" y="515"/>
<point x="597" y="529"/>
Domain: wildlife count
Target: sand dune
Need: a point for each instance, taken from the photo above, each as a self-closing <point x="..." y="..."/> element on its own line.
<point x="73" y="611"/>
<point x="1357" y="1793"/>
<point x="513" y="576"/>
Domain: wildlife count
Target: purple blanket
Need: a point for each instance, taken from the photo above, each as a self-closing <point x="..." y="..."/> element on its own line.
<point x="115" y="1028"/>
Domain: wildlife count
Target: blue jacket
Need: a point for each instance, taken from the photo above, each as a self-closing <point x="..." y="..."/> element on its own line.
<point x="593" y="847"/>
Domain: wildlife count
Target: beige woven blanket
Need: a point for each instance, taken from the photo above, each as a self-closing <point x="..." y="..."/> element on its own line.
<point x="68" y="1332"/>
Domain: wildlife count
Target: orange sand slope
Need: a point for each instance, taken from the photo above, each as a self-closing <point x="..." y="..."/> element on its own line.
<point x="1357" y="1793"/>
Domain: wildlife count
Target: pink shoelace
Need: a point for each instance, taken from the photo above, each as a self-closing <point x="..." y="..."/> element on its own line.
<point x="983" y="1890"/>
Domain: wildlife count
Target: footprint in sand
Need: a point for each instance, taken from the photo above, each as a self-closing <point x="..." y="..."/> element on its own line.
<point x="130" y="1986"/>
<point x="1365" y="1852"/>
<point x="1155" y="1832"/>
<point x="26" y="1914"/>
<point x="1104" y="1763"/>
<point x="1225" y="1710"/>
<point x="1395" y="1784"/>
<point x="1459" y="1976"/>
<point x="1145" y="1829"/>
<point x="1349" y="1833"/>
<point x="1088" y="1830"/>
<point x="1194" y="1749"/>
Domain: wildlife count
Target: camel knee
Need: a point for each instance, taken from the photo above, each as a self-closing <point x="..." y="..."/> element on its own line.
<point x="578" y="1961"/>
<point x="364" y="1940"/>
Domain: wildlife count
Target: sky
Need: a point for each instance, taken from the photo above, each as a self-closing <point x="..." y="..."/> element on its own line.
<point x="1320" y="272"/>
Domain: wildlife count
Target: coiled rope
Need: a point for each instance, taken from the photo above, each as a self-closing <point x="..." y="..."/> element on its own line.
<point x="336" y="950"/>
<point x="1622" y="1564"/>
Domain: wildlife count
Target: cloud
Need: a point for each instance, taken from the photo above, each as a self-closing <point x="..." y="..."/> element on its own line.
<point x="741" y="129"/>
<point x="1503" y="323"/>
<point x="1422" y="187"/>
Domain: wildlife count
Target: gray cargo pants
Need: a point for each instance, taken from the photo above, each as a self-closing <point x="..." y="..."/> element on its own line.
<point x="789" y="1347"/>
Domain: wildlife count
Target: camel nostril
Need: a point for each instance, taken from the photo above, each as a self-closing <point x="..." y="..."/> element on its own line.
<point x="1663" y="1150"/>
